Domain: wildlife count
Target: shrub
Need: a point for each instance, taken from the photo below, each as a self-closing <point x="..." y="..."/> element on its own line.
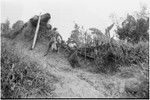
<point x="134" y="29"/>
<point x="139" y="88"/>
<point x="137" y="84"/>
<point x="5" y="27"/>
<point x="107" y="59"/>
<point x="113" y="55"/>
<point x="20" y="79"/>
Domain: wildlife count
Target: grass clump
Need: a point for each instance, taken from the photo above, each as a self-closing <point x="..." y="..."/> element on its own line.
<point x="138" y="86"/>
<point x="113" y="55"/>
<point x="20" y="79"/>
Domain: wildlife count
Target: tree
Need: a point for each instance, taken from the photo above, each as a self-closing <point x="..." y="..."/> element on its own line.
<point x="5" y="27"/>
<point x="17" y="25"/>
<point x="88" y="40"/>
<point x="107" y="30"/>
<point x="134" y="29"/>
<point x="99" y="37"/>
<point x="76" y="36"/>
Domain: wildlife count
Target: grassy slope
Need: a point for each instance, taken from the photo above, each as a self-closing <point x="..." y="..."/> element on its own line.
<point x="72" y="82"/>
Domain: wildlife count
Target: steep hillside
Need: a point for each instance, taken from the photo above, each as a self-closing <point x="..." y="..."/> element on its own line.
<point x="72" y="82"/>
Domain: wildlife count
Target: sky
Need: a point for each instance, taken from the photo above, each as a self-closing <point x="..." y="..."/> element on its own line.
<point x="64" y="13"/>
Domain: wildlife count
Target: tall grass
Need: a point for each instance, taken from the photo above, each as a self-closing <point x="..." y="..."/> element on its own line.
<point x="20" y="79"/>
<point x="112" y="55"/>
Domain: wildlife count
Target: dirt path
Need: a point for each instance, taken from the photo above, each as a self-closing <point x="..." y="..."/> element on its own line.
<point x="72" y="83"/>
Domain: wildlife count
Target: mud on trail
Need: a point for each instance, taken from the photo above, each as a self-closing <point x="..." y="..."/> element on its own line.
<point x="72" y="83"/>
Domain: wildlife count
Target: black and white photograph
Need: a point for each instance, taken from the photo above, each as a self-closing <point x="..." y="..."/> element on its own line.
<point x="74" y="49"/>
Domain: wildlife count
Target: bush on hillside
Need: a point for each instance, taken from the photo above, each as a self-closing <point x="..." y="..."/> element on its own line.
<point x="112" y="55"/>
<point x="138" y="87"/>
<point x="135" y="28"/>
<point x="21" y="79"/>
<point x="5" y="27"/>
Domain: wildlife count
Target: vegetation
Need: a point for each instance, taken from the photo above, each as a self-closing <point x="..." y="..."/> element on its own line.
<point x="109" y="53"/>
<point x="130" y="52"/>
<point x="21" y="79"/>
<point x="18" y="25"/>
<point x="135" y="28"/>
<point x="5" y="27"/>
<point x="129" y="56"/>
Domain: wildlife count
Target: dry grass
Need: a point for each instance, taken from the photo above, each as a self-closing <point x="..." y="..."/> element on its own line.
<point x="137" y="80"/>
<point x="22" y="79"/>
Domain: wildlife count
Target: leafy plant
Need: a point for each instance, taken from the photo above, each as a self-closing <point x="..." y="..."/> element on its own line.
<point x="135" y="29"/>
<point x="20" y="79"/>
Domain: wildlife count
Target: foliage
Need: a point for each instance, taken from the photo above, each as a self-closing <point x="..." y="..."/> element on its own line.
<point x="5" y="27"/>
<point x="114" y="54"/>
<point x="79" y="36"/>
<point x="135" y="29"/>
<point x="24" y="79"/>
<point x="75" y="35"/>
<point x="99" y="37"/>
<point x="138" y="87"/>
<point x="18" y="25"/>
<point x="20" y="79"/>
<point x="89" y="40"/>
<point x="12" y="32"/>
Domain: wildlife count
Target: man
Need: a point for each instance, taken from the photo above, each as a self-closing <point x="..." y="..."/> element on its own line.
<point x="58" y="38"/>
<point x="55" y="42"/>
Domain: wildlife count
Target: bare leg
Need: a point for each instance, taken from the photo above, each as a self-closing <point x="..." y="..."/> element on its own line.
<point x="57" y="49"/>
<point x="47" y="51"/>
<point x="49" y="46"/>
